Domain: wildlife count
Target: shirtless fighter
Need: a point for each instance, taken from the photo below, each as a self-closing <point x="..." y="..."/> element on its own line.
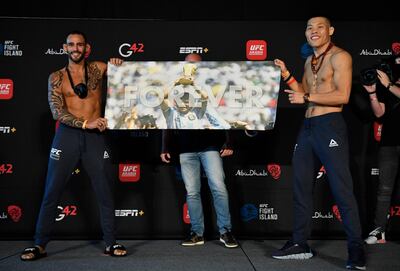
<point x="74" y="94"/>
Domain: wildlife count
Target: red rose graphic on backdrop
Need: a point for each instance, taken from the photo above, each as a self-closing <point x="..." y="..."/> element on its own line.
<point x="88" y="51"/>
<point x="274" y="170"/>
<point x="396" y="48"/>
<point x="15" y="212"/>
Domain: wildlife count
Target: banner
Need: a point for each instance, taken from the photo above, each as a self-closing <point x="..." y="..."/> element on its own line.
<point x="193" y="95"/>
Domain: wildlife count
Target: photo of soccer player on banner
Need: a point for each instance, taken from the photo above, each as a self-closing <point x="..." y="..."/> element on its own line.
<point x="185" y="95"/>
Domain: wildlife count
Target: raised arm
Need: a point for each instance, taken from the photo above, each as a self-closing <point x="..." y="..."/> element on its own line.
<point x="288" y="78"/>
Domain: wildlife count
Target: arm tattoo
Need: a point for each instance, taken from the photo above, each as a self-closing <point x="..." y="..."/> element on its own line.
<point x="57" y="102"/>
<point x="95" y="76"/>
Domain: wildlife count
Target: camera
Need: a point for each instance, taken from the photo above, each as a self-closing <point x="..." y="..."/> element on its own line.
<point x="369" y="76"/>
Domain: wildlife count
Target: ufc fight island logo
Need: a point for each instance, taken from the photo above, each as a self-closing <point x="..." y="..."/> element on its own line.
<point x="10" y="48"/>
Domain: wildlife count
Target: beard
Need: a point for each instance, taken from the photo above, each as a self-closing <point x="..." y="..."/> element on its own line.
<point x="78" y="60"/>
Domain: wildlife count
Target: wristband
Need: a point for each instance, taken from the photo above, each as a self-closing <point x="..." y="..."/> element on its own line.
<point x="306" y="98"/>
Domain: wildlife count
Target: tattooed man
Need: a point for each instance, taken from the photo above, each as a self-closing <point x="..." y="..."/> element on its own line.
<point x="74" y="94"/>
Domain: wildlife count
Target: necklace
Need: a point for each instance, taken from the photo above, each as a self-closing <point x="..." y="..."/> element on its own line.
<point x="315" y="61"/>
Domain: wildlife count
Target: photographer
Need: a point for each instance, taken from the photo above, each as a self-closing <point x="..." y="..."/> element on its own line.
<point x="383" y="88"/>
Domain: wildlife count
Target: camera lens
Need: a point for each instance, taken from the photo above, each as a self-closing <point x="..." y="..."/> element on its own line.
<point x="368" y="76"/>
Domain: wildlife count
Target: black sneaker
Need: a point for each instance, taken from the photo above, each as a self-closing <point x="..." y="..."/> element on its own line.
<point x="376" y="236"/>
<point x="193" y="240"/>
<point x="356" y="259"/>
<point x="293" y="251"/>
<point x="228" y="240"/>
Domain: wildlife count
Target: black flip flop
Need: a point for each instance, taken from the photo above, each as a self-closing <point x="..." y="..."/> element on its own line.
<point x="113" y="248"/>
<point x="36" y="253"/>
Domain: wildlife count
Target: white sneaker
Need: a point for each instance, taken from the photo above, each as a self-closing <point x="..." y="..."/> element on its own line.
<point x="376" y="236"/>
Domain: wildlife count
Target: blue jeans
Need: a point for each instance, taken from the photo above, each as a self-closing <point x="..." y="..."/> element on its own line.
<point x="212" y="164"/>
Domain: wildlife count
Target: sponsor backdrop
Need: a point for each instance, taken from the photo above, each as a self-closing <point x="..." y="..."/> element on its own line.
<point x="150" y="196"/>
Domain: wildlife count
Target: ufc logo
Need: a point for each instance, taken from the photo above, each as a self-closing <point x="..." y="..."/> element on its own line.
<point x="130" y="168"/>
<point x="55" y="151"/>
<point x="257" y="47"/>
<point x="55" y="154"/>
<point x="129" y="172"/>
<point x="4" y="87"/>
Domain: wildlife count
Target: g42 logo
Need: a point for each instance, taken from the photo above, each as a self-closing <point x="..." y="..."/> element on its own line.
<point x="394" y="211"/>
<point x="69" y="210"/>
<point x="6" y="168"/>
<point x="126" y="49"/>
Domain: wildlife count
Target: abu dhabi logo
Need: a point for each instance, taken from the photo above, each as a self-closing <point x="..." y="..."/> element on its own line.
<point x="127" y="49"/>
<point x="51" y="51"/>
<point x="321" y="215"/>
<point x="375" y="52"/>
<point x="273" y="170"/>
<point x="395" y="50"/>
<point x="251" y="173"/>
